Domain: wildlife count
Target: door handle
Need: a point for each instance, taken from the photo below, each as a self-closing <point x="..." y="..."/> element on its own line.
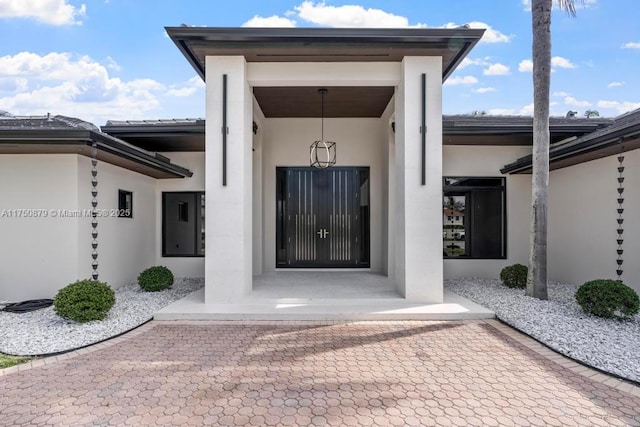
<point x="322" y="233"/>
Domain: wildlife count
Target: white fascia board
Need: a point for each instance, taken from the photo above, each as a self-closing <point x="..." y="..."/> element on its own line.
<point x="278" y="74"/>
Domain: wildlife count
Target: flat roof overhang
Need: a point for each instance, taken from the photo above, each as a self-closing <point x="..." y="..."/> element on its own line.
<point x="162" y="137"/>
<point x="581" y="151"/>
<point x="325" y="44"/>
<point x="511" y="130"/>
<point x="76" y="141"/>
<point x="457" y="130"/>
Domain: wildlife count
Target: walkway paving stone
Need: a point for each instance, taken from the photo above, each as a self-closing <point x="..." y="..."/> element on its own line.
<point x="477" y="373"/>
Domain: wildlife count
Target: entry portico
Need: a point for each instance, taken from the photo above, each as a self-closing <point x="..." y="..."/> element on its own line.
<point x="261" y="120"/>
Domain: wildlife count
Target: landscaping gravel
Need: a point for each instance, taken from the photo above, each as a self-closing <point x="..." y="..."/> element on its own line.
<point x="609" y="345"/>
<point x="43" y="332"/>
<point x="560" y="323"/>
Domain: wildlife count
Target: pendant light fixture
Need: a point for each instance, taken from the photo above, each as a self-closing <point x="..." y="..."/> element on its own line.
<point x="322" y="153"/>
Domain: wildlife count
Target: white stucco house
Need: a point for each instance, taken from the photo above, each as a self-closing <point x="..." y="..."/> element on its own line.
<point x="233" y="197"/>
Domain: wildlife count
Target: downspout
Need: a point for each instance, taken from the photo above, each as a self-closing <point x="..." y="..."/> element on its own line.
<point x="94" y="210"/>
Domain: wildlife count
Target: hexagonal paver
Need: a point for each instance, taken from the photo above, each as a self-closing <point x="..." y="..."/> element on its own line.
<point x="359" y="374"/>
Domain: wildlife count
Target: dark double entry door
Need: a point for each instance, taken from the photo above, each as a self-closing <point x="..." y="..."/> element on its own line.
<point x="322" y="217"/>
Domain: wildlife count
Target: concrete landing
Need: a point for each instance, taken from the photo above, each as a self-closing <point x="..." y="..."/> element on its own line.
<point x="323" y="296"/>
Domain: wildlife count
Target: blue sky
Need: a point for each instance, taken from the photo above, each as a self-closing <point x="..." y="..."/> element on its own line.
<point x="111" y="59"/>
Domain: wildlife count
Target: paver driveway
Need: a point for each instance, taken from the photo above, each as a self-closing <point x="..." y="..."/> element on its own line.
<point x="384" y="373"/>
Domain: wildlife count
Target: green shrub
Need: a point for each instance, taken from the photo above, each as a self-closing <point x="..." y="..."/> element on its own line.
<point x="608" y="298"/>
<point x="155" y="279"/>
<point x="84" y="301"/>
<point x="514" y="276"/>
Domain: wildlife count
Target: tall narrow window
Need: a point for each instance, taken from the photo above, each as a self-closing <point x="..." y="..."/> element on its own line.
<point x="183" y="224"/>
<point x="125" y="204"/>
<point x="474" y="218"/>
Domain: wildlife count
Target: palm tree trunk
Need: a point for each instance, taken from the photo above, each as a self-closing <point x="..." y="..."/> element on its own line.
<point x="541" y="20"/>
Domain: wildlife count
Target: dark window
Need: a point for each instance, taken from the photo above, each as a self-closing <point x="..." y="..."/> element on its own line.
<point x="125" y="204"/>
<point x="479" y="227"/>
<point x="183" y="224"/>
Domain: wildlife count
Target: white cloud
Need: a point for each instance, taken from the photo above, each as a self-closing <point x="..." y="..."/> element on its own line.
<point x="467" y="62"/>
<point x="491" y="35"/>
<point x="501" y="112"/>
<point x="560" y="62"/>
<point x="112" y="64"/>
<point x="496" y="69"/>
<point x="631" y="45"/>
<point x="619" y="107"/>
<point x="11" y="84"/>
<point x="527" y="110"/>
<point x="188" y="88"/>
<point x="350" y="16"/>
<point x="525" y="66"/>
<point x="573" y="102"/>
<point x="53" y="12"/>
<point x="569" y="100"/>
<point x="271" y="21"/>
<point x="461" y="80"/>
<point x="615" y="84"/>
<point x="61" y="83"/>
<point x="485" y="89"/>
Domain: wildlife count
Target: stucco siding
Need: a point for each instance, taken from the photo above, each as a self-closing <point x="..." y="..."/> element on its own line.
<point x="582" y="215"/>
<point x="37" y="253"/>
<point x="125" y="245"/>
<point x="582" y="221"/>
<point x="194" y="161"/>
<point x="286" y="143"/>
<point x="487" y="161"/>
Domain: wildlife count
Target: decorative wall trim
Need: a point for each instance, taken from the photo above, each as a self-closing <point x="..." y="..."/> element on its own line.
<point x="225" y="130"/>
<point x="423" y="130"/>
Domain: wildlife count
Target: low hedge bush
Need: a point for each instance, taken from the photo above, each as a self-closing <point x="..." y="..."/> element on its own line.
<point x="84" y="301"/>
<point x="514" y="276"/>
<point x="155" y="279"/>
<point x="609" y="299"/>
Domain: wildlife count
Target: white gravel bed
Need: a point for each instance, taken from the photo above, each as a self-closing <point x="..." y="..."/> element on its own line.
<point x="560" y="323"/>
<point x="43" y="332"/>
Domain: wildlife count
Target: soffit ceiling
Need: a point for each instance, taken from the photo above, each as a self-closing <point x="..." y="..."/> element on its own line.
<point x="343" y="101"/>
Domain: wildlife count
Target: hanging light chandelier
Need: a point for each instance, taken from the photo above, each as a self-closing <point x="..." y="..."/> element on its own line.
<point x="322" y="153"/>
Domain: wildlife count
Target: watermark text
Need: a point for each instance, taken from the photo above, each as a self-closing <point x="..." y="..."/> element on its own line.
<point x="63" y="213"/>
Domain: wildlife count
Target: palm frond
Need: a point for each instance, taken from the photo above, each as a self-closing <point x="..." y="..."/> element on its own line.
<point x="569" y="6"/>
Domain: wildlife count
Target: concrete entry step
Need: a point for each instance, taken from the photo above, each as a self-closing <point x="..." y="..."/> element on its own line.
<point x="323" y="295"/>
<point x="193" y="307"/>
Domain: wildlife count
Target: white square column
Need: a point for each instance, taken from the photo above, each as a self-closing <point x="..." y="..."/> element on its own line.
<point x="228" y="250"/>
<point x="418" y="208"/>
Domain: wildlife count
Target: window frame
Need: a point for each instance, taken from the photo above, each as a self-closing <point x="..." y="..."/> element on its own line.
<point x="199" y="197"/>
<point x="467" y="190"/>
<point x="123" y="209"/>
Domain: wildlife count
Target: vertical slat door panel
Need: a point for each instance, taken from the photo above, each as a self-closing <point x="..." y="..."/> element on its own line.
<point x="324" y="217"/>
